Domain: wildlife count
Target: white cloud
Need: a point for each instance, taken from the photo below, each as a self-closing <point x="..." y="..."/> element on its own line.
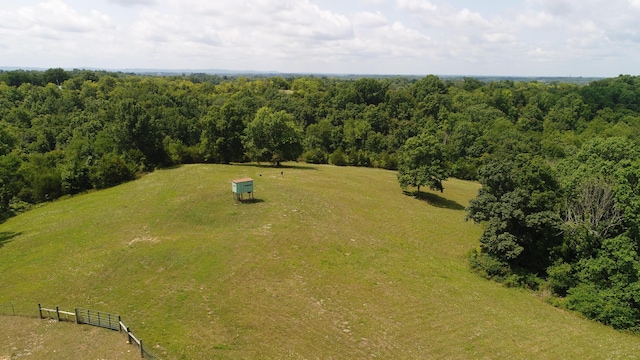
<point x="500" y="38"/>
<point x="52" y="33"/>
<point x="535" y="30"/>
<point x="154" y="26"/>
<point x="394" y="40"/>
<point x="397" y="36"/>
<point x="54" y="16"/>
<point x="289" y="18"/>
<point x="260" y="31"/>
<point x="443" y="15"/>
<point x="369" y="19"/>
<point x="540" y="54"/>
<point x="556" y="7"/>
<point x="535" y="20"/>
<point x="417" y="5"/>
<point x="132" y="3"/>
<point x="589" y="24"/>
<point x="465" y="17"/>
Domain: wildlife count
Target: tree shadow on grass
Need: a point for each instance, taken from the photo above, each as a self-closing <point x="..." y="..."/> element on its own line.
<point x="282" y="167"/>
<point x="7" y="236"/>
<point x="435" y="200"/>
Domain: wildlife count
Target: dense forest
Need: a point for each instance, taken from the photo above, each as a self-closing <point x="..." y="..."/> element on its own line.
<point x="558" y="162"/>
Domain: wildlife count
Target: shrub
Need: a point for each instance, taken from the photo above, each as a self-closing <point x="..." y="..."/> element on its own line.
<point x="46" y="186"/>
<point x="75" y="178"/>
<point x="560" y="278"/>
<point x="464" y="169"/>
<point x="488" y="266"/>
<point x="608" y="307"/>
<point x="315" y="156"/>
<point x="338" y="158"/>
<point x="359" y="158"/>
<point x="111" y="170"/>
<point x="387" y="161"/>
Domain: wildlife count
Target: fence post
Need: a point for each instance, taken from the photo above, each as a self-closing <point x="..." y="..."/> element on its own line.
<point x="75" y="310"/>
<point x="40" y="310"/>
<point x="119" y="324"/>
<point x="141" y="350"/>
<point x="128" y="336"/>
<point x="57" y="314"/>
<point x="12" y="309"/>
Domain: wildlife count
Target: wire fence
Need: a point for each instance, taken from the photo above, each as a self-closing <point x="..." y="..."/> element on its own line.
<point x="96" y="318"/>
<point x="145" y="352"/>
<point x="100" y="319"/>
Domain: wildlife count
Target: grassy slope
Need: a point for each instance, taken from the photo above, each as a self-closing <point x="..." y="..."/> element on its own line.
<point x="33" y="338"/>
<point x="331" y="263"/>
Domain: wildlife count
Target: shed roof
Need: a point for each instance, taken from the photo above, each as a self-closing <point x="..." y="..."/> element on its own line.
<point x="242" y="180"/>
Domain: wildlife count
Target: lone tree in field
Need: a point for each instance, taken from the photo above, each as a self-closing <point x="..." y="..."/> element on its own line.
<point x="273" y="137"/>
<point x="421" y="162"/>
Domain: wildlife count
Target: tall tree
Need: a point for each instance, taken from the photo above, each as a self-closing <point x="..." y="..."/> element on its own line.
<point x="221" y="138"/>
<point x="55" y="76"/>
<point x="421" y="162"/>
<point x="135" y="132"/>
<point x="273" y="136"/>
<point x="518" y="204"/>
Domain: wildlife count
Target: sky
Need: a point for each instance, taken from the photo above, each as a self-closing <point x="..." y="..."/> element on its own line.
<point x="590" y="38"/>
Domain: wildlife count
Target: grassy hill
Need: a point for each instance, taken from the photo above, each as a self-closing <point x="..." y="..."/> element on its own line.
<point x="330" y="263"/>
<point x="32" y="338"/>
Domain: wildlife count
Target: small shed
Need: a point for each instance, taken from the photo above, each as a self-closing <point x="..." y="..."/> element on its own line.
<point x="242" y="186"/>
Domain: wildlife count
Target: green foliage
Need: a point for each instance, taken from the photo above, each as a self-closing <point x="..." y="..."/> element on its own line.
<point x="273" y="137"/>
<point x="315" y="156"/>
<point x="7" y="141"/>
<point x="10" y="183"/>
<point x="386" y="161"/>
<point x="488" y="266"/>
<point x="358" y="157"/>
<point x="627" y="194"/>
<point x="43" y="180"/>
<point x="110" y="170"/>
<point x="491" y="268"/>
<point x="421" y="163"/>
<point x="558" y="162"/>
<point x="221" y="138"/>
<point x="615" y="265"/>
<point x="55" y="76"/>
<point x="134" y="130"/>
<point x="593" y="251"/>
<point x="318" y="136"/>
<point x="561" y="278"/>
<point x="338" y="157"/>
<point x="179" y="153"/>
<point x="75" y="178"/>
<point x="603" y="305"/>
<point x="518" y="203"/>
<point x="170" y="243"/>
<point x="369" y="91"/>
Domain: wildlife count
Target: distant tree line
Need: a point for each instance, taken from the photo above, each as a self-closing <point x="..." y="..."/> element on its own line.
<point x="558" y="162"/>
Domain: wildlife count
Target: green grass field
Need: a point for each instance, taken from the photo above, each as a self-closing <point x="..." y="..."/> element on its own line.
<point x="329" y="263"/>
<point x="32" y="338"/>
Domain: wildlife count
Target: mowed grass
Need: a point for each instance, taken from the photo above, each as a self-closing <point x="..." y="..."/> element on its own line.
<point x="32" y="338"/>
<point x="329" y="263"/>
